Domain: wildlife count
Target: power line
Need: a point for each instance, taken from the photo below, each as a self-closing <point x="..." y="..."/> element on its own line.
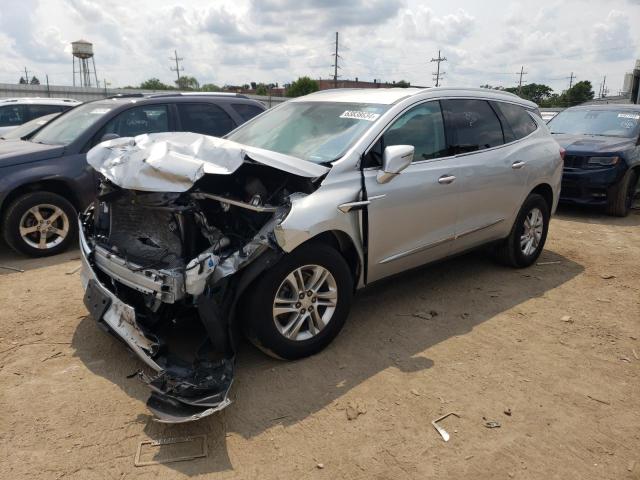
<point x="437" y="74"/>
<point x="178" y="67"/>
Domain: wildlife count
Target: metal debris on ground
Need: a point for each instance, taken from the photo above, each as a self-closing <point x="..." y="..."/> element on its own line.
<point x="75" y="270"/>
<point x="567" y="318"/>
<point x="548" y="263"/>
<point x="14" y="269"/>
<point x="491" y="423"/>
<point x="443" y="433"/>
<point x="181" y="454"/>
<point x="598" y="400"/>
<point x="607" y="276"/>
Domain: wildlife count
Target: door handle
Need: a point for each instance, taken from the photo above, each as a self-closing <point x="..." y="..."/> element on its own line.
<point x="517" y="165"/>
<point x="446" y="179"/>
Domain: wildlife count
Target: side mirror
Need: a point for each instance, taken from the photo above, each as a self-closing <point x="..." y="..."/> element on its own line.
<point x="109" y="136"/>
<point x="394" y="160"/>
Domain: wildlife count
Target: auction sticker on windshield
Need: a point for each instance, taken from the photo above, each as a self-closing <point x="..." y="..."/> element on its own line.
<point x="358" y="115"/>
<point x="632" y="116"/>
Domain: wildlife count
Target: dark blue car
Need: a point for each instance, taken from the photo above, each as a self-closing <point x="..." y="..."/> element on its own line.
<point x="45" y="178"/>
<point x="602" y="158"/>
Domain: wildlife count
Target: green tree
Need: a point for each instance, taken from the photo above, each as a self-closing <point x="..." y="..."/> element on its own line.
<point x="187" y="83"/>
<point x="579" y="93"/>
<point x="536" y="92"/>
<point x="22" y="81"/>
<point x="210" y="87"/>
<point x="302" y="86"/>
<point x="34" y="81"/>
<point x="261" y="89"/>
<point x="402" y="84"/>
<point x="154" y="84"/>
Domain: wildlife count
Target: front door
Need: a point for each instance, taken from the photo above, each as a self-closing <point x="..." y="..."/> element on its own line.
<point x="411" y="218"/>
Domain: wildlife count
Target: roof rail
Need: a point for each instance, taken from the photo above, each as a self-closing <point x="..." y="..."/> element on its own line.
<point x="196" y="94"/>
<point x="127" y="95"/>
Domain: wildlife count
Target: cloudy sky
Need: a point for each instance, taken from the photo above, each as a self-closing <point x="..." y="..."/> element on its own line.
<point x="278" y="40"/>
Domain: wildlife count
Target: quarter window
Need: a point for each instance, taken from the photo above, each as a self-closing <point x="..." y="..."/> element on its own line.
<point x="519" y="122"/>
<point x="473" y="124"/>
<point x="246" y="110"/>
<point x="422" y="127"/>
<point x="36" y="111"/>
<point x="204" y="118"/>
<point x="139" y="120"/>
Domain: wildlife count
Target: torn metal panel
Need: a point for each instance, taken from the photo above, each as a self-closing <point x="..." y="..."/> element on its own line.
<point x="174" y="161"/>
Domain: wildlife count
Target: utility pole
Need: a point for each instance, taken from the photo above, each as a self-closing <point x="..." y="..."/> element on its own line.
<point x="522" y="72"/>
<point x="178" y="67"/>
<point x="604" y="87"/>
<point x="571" y="77"/>
<point x="437" y="75"/>
<point x="26" y="76"/>
<point x="48" y="91"/>
<point x="106" y="85"/>
<point x="335" y="64"/>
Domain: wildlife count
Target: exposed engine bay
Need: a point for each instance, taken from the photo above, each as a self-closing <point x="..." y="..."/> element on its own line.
<point x="160" y="267"/>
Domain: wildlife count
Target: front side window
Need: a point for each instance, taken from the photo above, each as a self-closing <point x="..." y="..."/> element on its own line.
<point x="139" y="120"/>
<point x="204" y="118"/>
<point x="473" y="124"/>
<point x="519" y="122"/>
<point x="11" y="115"/>
<point x="319" y="132"/>
<point x="608" y="123"/>
<point x="36" y="111"/>
<point x="422" y="127"/>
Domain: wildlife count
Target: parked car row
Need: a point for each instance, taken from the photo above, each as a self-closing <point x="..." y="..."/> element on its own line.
<point x="17" y="111"/>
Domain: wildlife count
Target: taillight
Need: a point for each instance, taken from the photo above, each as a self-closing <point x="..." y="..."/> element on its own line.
<point x="562" y="153"/>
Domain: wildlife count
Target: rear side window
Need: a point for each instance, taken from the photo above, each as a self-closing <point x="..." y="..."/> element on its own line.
<point x="473" y="125"/>
<point x="36" y="111"/>
<point x="11" y="115"/>
<point x="246" y="110"/>
<point x="519" y="122"/>
<point x="139" y="120"/>
<point x="204" y="118"/>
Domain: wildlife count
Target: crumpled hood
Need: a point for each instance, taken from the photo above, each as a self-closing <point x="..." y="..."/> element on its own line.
<point x="173" y="162"/>
<point x="15" y="152"/>
<point x="575" y="144"/>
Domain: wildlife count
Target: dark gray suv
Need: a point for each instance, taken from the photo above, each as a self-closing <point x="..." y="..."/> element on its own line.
<point x="45" y="178"/>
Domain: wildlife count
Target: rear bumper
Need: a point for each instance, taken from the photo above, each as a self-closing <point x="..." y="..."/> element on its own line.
<point x="588" y="187"/>
<point x="177" y="395"/>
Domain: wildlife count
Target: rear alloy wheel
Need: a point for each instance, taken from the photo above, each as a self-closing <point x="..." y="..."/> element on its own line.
<point x="623" y="194"/>
<point x="298" y="306"/>
<point x="528" y="235"/>
<point x="40" y="224"/>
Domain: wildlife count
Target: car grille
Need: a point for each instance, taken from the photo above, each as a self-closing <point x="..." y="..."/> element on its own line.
<point x="575" y="161"/>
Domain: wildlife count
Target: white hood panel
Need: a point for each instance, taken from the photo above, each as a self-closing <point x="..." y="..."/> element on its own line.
<point x="174" y="161"/>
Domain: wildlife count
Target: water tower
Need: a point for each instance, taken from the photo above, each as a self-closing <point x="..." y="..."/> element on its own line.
<point x="83" y="52"/>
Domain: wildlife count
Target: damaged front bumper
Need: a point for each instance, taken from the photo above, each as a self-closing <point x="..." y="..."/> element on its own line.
<point x="181" y="391"/>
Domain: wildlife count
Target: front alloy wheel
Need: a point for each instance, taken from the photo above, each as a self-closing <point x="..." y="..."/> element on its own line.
<point x="299" y="305"/>
<point x="305" y="302"/>
<point x="532" y="232"/>
<point x="44" y="226"/>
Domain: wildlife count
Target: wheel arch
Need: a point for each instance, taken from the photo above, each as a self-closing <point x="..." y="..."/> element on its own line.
<point x="57" y="186"/>
<point x="546" y="192"/>
<point x="345" y="245"/>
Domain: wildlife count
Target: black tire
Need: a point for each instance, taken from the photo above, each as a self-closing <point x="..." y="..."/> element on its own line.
<point x="510" y="251"/>
<point x="621" y="196"/>
<point x="19" y="208"/>
<point x="260" y="325"/>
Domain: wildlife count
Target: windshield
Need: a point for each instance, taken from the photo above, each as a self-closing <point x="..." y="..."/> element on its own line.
<point x="315" y="131"/>
<point x="29" y="127"/>
<point x="610" y="123"/>
<point x="64" y="130"/>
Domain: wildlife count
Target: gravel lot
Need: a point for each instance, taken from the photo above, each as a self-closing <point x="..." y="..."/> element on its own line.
<point x="557" y="344"/>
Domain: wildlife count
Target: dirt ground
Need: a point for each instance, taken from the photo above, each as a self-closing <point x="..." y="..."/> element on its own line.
<point x="557" y="344"/>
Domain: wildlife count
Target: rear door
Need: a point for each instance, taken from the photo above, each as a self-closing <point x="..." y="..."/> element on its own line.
<point x="205" y="118"/>
<point x="490" y="178"/>
<point x="412" y="217"/>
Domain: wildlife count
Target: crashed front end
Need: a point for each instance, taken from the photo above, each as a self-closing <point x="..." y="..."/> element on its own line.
<point x="182" y="225"/>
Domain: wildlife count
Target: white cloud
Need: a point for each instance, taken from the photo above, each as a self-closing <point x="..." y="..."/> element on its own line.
<point x="449" y="29"/>
<point x="612" y="38"/>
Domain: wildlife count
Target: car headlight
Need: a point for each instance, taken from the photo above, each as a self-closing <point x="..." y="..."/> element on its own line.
<point x="603" y="161"/>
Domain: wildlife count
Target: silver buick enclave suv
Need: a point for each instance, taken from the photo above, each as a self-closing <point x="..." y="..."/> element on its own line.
<point x="271" y="229"/>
